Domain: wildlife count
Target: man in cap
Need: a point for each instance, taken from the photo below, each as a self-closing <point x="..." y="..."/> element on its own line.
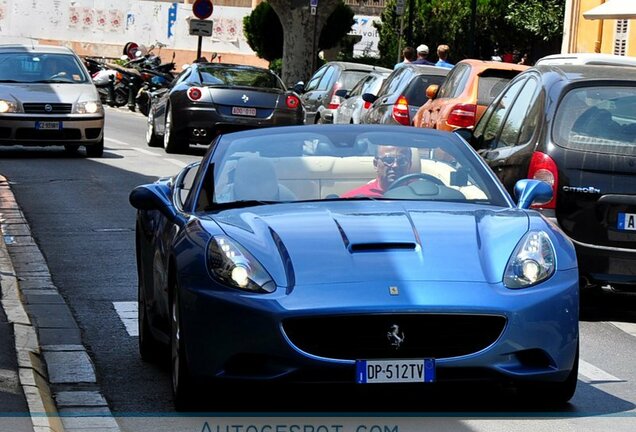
<point x="422" y="53"/>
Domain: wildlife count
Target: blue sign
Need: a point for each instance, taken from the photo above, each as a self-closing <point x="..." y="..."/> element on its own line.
<point x="172" y="18"/>
<point x="202" y="9"/>
<point x="313" y="3"/>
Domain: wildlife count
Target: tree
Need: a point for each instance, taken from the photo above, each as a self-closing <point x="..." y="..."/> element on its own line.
<point x="267" y="37"/>
<point x="500" y="23"/>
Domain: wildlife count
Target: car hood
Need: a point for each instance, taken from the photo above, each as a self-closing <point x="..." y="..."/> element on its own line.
<point x="377" y="241"/>
<point x="48" y="93"/>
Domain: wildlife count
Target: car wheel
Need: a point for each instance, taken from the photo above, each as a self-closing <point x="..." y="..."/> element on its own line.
<point x="551" y="393"/>
<point x="95" y="150"/>
<point x="149" y="348"/>
<point x="71" y="148"/>
<point x="182" y="387"/>
<point x="171" y="144"/>
<point x="151" y="137"/>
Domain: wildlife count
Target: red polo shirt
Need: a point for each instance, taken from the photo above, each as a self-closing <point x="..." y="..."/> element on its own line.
<point x="371" y="189"/>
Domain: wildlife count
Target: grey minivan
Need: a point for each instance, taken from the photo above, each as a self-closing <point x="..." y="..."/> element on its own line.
<point x="319" y="95"/>
<point x="47" y="98"/>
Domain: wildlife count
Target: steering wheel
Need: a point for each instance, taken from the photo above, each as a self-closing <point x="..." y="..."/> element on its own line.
<point x="59" y="75"/>
<point x="408" y="177"/>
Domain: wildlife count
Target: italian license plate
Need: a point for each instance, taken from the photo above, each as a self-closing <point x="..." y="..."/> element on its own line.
<point x="627" y="221"/>
<point x="395" y="371"/>
<point x="48" y="125"/>
<point x="243" y="111"/>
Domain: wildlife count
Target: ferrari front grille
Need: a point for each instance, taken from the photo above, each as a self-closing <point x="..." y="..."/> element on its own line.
<point x="385" y="336"/>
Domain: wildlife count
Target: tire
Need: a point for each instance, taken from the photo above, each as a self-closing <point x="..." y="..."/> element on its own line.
<point x="183" y="389"/>
<point x="150" y="349"/>
<point x="95" y="150"/>
<point x="171" y="143"/>
<point x="71" y="148"/>
<point x="151" y="137"/>
<point x="553" y="394"/>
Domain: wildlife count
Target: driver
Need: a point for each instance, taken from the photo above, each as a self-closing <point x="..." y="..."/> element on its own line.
<point x="52" y="68"/>
<point x="390" y="164"/>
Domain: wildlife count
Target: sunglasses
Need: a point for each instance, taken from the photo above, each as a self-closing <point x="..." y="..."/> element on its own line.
<point x="392" y="160"/>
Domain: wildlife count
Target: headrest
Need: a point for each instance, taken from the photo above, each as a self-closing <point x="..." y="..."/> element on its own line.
<point x="255" y="179"/>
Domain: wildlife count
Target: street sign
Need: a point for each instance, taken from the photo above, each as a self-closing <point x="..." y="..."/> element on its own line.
<point x="200" y="27"/>
<point x="399" y="7"/>
<point x="313" y="10"/>
<point x="313" y="3"/>
<point x="202" y="9"/>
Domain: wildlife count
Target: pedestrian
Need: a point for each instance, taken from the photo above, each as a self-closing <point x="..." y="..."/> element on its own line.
<point x="442" y="54"/>
<point x="524" y="59"/>
<point x="422" y="53"/>
<point x="408" y="56"/>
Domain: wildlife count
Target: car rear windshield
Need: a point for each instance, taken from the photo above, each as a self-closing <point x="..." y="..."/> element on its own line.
<point x="349" y="78"/>
<point x="597" y="119"/>
<point x="227" y="76"/>
<point x="30" y="67"/>
<point x="415" y="92"/>
<point x="491" y="82"/>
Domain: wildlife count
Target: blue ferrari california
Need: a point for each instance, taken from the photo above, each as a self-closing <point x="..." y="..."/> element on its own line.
<point x="360" y="254"/>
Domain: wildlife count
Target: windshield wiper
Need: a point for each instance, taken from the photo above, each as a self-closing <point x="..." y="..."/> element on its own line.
<point x="51" y="81"/>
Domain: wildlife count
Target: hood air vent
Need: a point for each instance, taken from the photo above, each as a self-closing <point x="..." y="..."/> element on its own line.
<point x="378" y="247"/>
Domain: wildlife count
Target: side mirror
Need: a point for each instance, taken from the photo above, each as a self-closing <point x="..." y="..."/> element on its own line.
<point x="369" y="97"/>
<point x="529" y="191"/>
<point x="155" y="196"/>
<point x="299" y="87"/>
<point x="344" y="93"/>
<point x="431" y="91"/>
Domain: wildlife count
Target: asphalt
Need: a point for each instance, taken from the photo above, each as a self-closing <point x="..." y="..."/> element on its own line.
<point x="47" y="379"/>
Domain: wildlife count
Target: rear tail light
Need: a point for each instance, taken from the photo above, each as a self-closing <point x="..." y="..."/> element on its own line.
<point x="401" y="111"/>
<point x="292" y="102"/>
<point x="462" y="115"/>
<point x="145" y="76"/>
<point x="334" y="102"/>
<point x="194" y="93"/>
<point x="542" y="167"/>
<point x="367" y="105"/>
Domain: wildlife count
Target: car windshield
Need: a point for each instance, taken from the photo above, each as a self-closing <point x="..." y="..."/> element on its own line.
<point x="29" y="67"/>
<point x="239" y="76"/>
<point x="597" y="119"/>
<point x="349" y="162"/>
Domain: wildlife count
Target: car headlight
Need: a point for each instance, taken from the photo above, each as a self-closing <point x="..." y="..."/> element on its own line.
<point x="88" y="107"/>
<point x="232" y="265"/>
<point x="8" y="106"/>
<point x="532" y="261"/>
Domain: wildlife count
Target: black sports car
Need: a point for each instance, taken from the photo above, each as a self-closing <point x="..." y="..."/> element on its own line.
<point x="208" y="99"/>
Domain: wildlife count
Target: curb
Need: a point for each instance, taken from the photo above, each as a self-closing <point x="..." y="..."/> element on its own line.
<point x="56" y="373"/>
<point x="31" y="371"/>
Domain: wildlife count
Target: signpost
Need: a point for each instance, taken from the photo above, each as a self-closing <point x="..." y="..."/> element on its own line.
<point x="202" y="9"/>
<point x="313" y="5"/>
<point x="399" y="11"/>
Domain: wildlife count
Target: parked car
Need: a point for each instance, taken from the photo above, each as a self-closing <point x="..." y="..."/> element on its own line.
<point x="47" y="98"/>
<point x="353" y="106"/>
<point x="573" y="127"/>
<point x="251" y="260"/>
<point x="208" y="99"/>
<point x="402" y="94"/>
<point x="465" y="94"/>
<point x="319" y="95"/>
<point x="587" y="58"/>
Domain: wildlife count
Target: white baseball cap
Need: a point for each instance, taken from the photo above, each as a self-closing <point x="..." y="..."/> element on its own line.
<point x="422" y="49"/>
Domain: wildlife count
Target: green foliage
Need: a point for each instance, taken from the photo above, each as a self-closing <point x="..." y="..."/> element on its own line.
<point x="264" y="32"/>
<point x="506" y="24"/>
<point x="276" y="66"/>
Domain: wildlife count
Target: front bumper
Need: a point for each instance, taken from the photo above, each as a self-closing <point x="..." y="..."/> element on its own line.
<point x="238" y="336"/>
<point x="73" y="129"/>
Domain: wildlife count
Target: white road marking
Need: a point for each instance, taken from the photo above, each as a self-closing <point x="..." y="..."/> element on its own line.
<point x="127" y="312"/>
<point x="114" y="141"/>
<point x="178" y="163"/>
<point x="144" y="151"/>
<point x="594" y="374"/>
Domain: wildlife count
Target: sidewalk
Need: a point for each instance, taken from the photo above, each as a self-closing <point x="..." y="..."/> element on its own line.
<point x="47" y="380"/>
